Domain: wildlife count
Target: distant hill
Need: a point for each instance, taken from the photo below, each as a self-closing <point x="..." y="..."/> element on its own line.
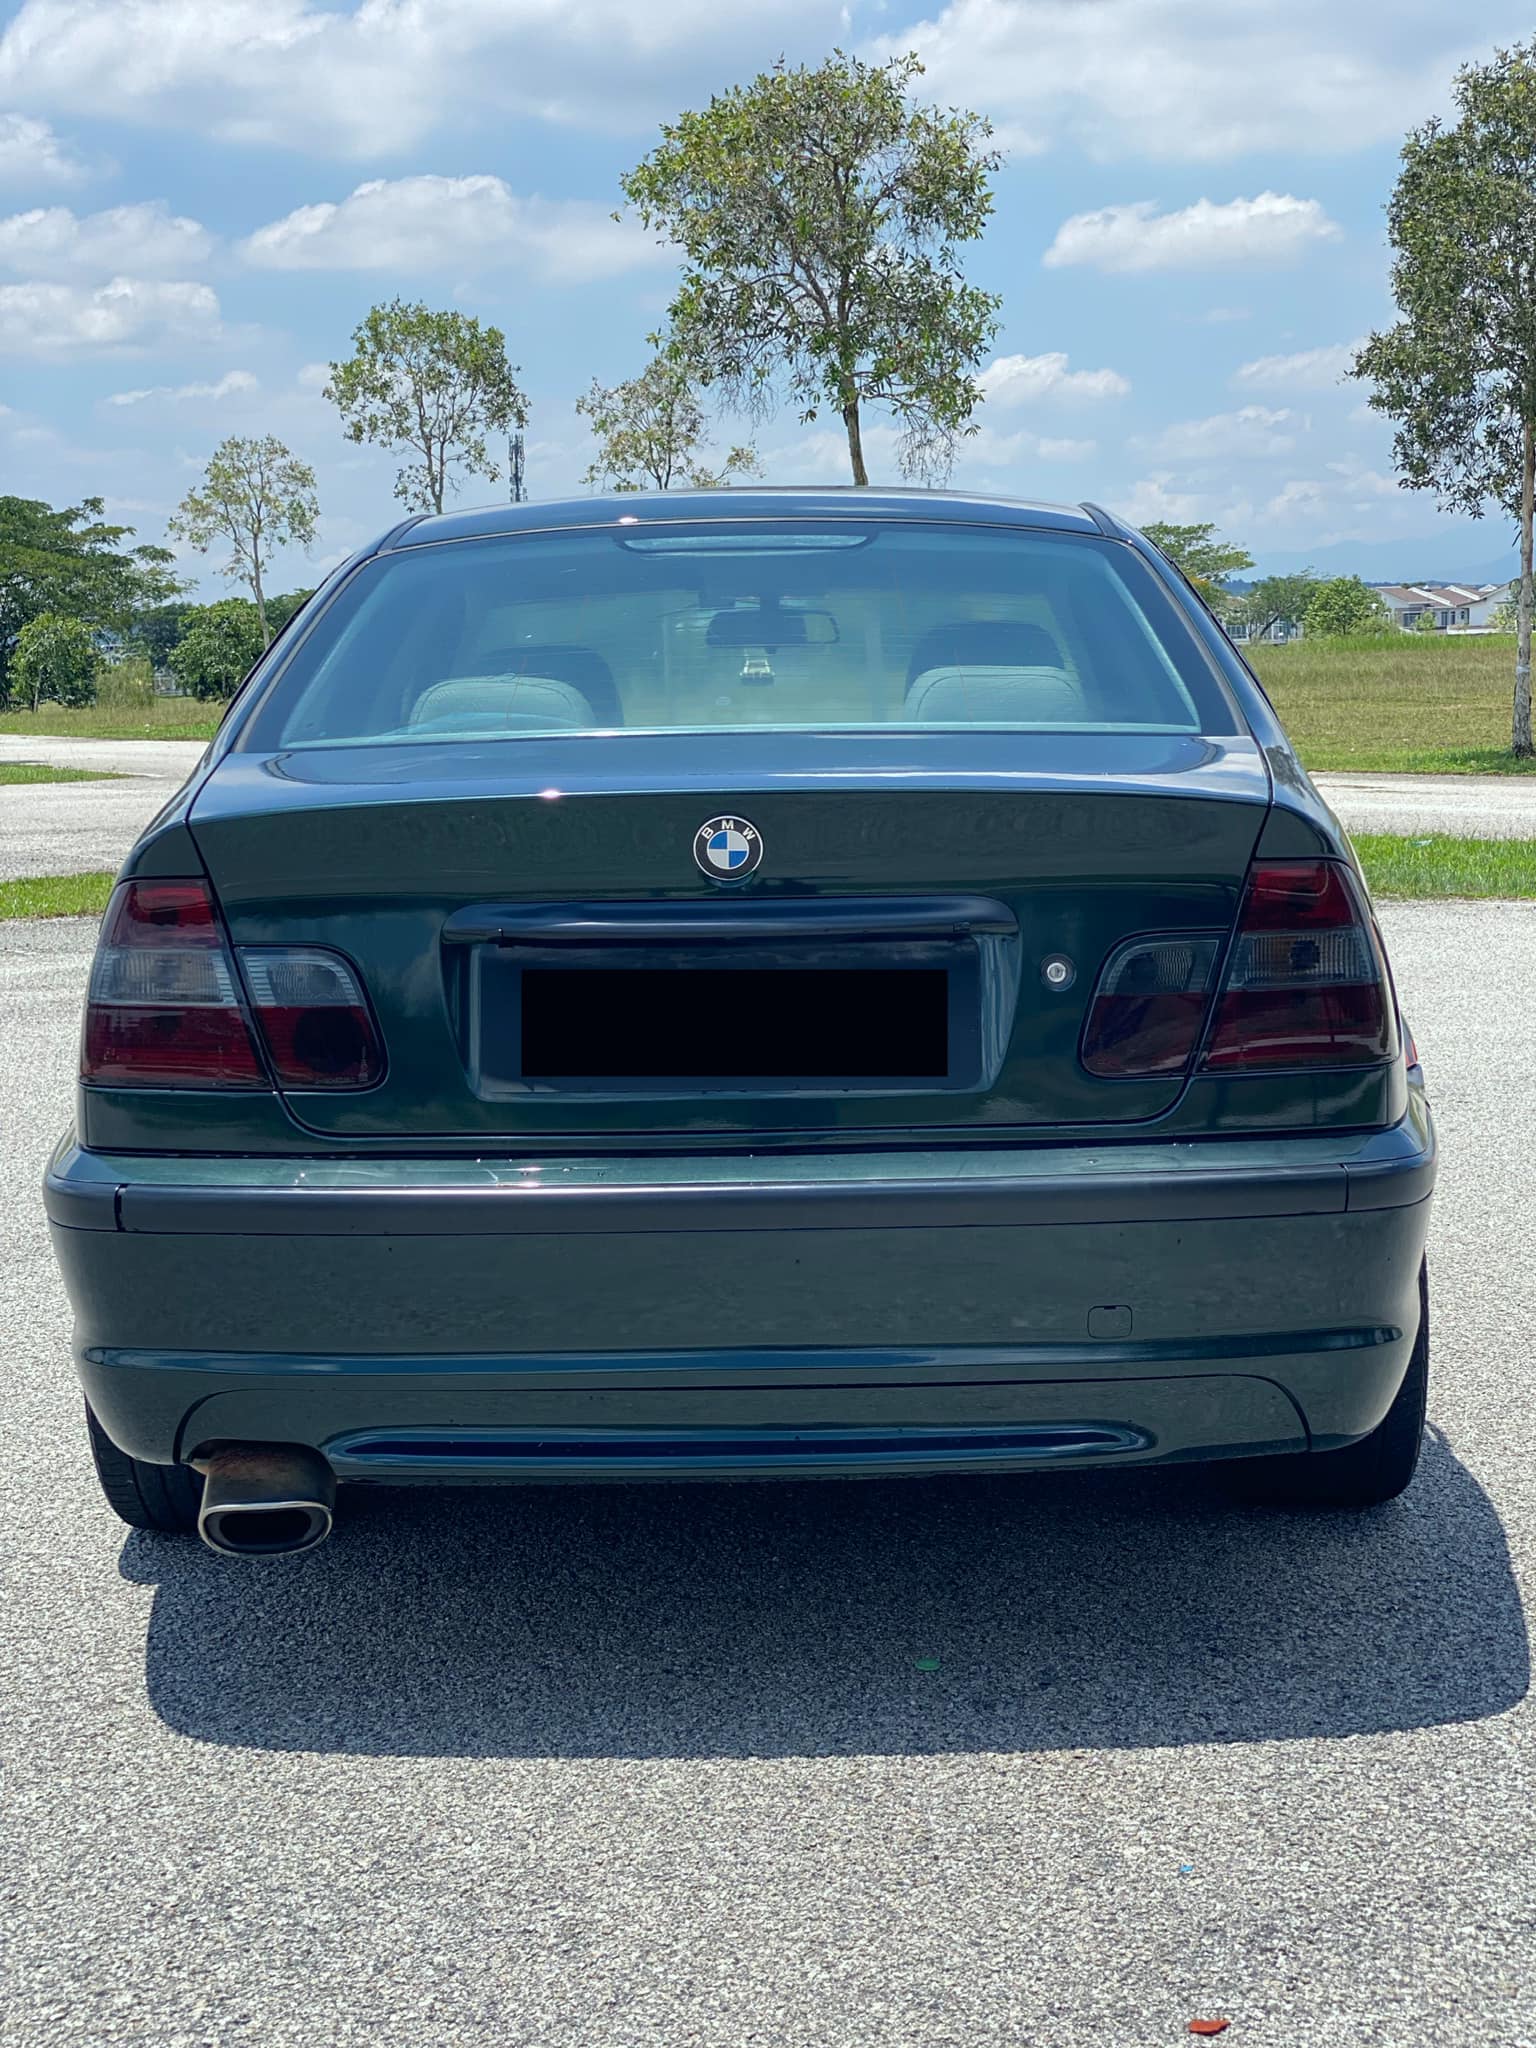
<point x="1461" y="554"/>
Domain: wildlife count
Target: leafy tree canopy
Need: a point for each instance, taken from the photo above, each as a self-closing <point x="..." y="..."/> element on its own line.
<point x="651" y="434"/>
<point x="1204" y="559"/>
<point x="436" y="384"/>
<point x="1278" y="600"/>
<point x="256" y="496"/>
<point x="55" y="658"/>
<point x="219" y="646"/>
<point x="820" y="216"/>
<point x="71" y="561"/>
<point x="281" y="609"/>
<point x="1457" y="374"/>
<point x="1344" y="605"/>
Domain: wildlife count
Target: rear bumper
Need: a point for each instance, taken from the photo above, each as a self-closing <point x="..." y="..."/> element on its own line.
<point x="451" y="1320"/>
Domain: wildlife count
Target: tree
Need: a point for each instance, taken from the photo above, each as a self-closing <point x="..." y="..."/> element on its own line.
<point x="1458" y="372"/>
<point x="651" y="433"/>
<point x="438" y="384"/>
<point x="55" y="658"/>
<point x="70" y="562"/>
<point x="257" y="496"/>
<point x="1344" y="605"/>
<point x="1206" y="561"/>
<point x="281" y="609"/>
<point x="1426" y="622"/>
<point x="220" y="645"/>
<point x="156" y="630"/>
<point x="820" y="214"/>
<point x="1278" y="600"/>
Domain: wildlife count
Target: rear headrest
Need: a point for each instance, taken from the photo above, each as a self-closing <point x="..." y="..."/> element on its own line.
<point x="518" y="703"/>
<point x="582" y="667"/>
<point x="997" y="696"/>
<point x="984" y="643"/>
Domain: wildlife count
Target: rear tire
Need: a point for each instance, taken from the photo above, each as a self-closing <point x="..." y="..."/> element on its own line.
<point x="1365" y="1474"/>
<point x="165" y="1497"/>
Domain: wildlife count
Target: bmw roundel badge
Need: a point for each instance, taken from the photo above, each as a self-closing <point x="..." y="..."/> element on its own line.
<point x="728" y="849"/>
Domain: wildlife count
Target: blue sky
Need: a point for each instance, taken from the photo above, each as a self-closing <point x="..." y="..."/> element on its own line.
<point x="200" y="198"/>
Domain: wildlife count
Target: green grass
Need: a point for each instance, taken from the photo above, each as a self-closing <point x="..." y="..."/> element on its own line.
<point x="34" y="771"/>
<point x="161" y="718"/>
<point x="55" y="896"/>
<point x="1441" y="865"/>
<point x="1404" y="703"/>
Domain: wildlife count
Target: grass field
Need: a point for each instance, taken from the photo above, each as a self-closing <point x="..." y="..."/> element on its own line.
<point x="34" y="771"/>
<point x="55" y="896"/>
<point x="1440" y="865"/>
<point x="1409" y="703"/>
<point x="163" y="718"/>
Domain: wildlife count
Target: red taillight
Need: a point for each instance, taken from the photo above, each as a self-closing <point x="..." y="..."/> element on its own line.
<point x="314" y="1017"/>
<point x="1149" y="1006"/>
<point x="163" y="1010"/>
<point x="1305" y="984"/>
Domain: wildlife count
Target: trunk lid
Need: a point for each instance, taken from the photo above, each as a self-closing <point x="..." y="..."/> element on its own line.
<point x="450" y="873"/>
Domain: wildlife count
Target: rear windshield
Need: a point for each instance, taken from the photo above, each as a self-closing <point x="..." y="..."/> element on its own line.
<point x="731" y="626"/>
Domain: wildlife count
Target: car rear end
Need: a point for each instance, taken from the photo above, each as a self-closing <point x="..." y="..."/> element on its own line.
<point x="858" y="986"/>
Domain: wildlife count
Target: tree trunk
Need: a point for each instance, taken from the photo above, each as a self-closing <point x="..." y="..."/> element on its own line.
<point x="855" y="441"/>
<point x="261" y="602"/>
<point x="1521" y="737"/>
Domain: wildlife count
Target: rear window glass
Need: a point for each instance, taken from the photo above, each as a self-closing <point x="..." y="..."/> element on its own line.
<point x="732" y="626"/>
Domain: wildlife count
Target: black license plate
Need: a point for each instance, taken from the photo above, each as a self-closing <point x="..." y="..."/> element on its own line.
<point x="724" y="1023"/>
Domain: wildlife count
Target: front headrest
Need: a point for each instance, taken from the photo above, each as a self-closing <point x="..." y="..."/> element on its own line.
<point x="517" y="703"/>
<point x="997" y="696"/>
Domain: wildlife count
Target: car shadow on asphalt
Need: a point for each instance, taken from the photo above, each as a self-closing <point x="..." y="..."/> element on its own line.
<point x="1075" y="1611"/>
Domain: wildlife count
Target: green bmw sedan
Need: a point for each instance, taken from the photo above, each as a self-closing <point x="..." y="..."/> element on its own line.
<point x="747" y="984"/>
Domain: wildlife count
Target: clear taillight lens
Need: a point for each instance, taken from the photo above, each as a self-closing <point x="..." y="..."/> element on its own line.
<point x="314" y="1017"/>
<point x="1149" y="1006"/>
<point x="163" y="1010"/>
<point x="1306" y="984"/>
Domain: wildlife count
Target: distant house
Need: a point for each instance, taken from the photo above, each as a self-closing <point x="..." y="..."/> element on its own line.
<point x="1456" y="607"/>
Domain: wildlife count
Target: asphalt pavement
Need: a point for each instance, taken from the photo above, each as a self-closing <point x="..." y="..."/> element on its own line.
<point x="623" y="1767"/>
<point x="79" y="828"/>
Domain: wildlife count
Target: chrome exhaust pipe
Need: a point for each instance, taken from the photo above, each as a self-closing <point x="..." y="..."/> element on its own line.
<point x="265" y="1500"/>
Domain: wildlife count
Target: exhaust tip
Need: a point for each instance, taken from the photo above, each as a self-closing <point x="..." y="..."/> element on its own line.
<point x="265" y="1500"/>
<point x="271" y="1531"/>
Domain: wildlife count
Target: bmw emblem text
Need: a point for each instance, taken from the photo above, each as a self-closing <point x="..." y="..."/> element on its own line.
<point x="728" y="849"/>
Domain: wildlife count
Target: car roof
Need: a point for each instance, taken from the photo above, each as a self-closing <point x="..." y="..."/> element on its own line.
<point x="757" y="502"/>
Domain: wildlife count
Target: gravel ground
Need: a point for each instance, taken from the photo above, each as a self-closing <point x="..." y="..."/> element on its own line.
<point x="658" y="1767"/>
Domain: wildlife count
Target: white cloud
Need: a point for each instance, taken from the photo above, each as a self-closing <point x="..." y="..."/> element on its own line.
<point x="1253" y="430"/>
<point x="41" y="319"/>
<point x="1008" y="381"/>
<point x="1310" y="369"/>
<point x="452" y="224"/>
<point x="146" y="240"/>
<point x="31" y="154"/>
<point x="1154" y="498"/>
<point x="1202" y="80"/>
<point x="234" y="384"/>
<point x="372" y="76"/>
<point x="1272" y="228"/>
